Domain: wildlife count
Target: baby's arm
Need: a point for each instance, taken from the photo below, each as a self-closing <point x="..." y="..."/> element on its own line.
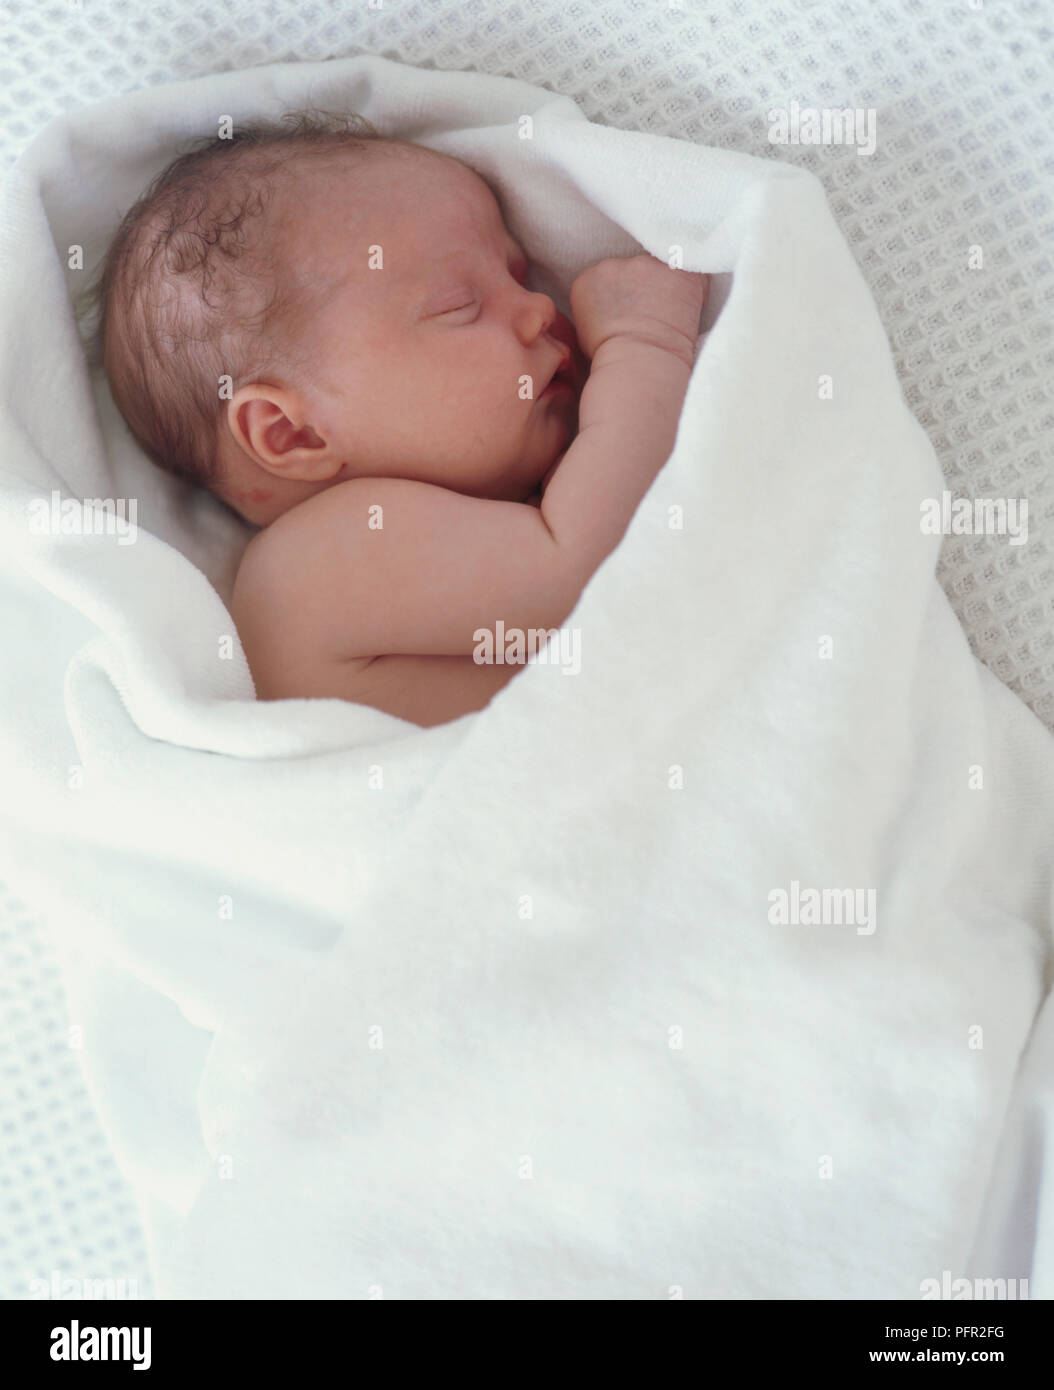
<point x="443" y="565"/>
<point x="638" y="321"/>
<point x="629" y="413"/>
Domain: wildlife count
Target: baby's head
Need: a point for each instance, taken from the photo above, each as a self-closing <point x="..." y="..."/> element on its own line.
<point x="310" y="302"/>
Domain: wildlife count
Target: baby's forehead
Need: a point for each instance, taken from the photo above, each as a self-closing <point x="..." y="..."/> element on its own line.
<point x="418" y="206"/>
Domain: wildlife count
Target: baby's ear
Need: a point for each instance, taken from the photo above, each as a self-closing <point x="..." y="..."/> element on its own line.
<point x="267" y="423"/>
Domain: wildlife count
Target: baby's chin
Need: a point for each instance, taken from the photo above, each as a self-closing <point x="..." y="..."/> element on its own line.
<point x="523" y="479"/>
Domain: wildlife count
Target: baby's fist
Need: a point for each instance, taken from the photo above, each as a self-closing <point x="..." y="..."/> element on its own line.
<point x="638" y="297"/>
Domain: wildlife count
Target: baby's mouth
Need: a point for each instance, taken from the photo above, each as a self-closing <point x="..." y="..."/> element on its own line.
<point x="574" y="368"/>
<point x="559" y="384"/>
<point x="563" y="379"/>
<point x="566" y="373"/>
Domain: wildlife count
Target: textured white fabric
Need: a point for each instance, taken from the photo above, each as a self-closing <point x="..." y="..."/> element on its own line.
<point x="64" y="1208"/>
<point x="604" y="1070"/>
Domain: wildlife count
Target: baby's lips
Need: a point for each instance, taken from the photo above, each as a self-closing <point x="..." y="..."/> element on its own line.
<point x="563" y="330"/>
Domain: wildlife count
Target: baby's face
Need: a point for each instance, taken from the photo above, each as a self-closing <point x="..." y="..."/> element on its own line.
<point x="422" y="360"/>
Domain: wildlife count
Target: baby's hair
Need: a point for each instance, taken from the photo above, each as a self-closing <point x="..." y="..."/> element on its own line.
<point x="192" y="287"/>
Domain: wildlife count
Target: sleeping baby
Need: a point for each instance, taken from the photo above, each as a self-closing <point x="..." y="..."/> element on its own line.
<point x="333" y="332"/>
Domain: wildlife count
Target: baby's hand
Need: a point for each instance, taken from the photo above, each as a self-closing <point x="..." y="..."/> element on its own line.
<point x="638" y="297"/>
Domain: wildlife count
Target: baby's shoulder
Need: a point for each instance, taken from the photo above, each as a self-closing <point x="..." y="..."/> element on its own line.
<point x="300" y="586"/>
<point x="286" y="591"/>
<point x="292" y="547"/>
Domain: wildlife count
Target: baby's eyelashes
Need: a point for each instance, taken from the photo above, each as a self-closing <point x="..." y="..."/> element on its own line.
<point x="471" y="304"/>
<point x="518" y="270"/>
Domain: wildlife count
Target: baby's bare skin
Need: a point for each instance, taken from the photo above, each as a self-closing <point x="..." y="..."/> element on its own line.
<point x="489" y="507"/>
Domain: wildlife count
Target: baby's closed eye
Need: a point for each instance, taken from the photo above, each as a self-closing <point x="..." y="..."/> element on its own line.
<point x="459" y="308"/>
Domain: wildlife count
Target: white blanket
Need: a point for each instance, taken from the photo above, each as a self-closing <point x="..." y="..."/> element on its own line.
<point x="501" y="1009"/>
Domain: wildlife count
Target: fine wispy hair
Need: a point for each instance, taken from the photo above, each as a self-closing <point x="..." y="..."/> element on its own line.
<point x="196" y="284"/>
